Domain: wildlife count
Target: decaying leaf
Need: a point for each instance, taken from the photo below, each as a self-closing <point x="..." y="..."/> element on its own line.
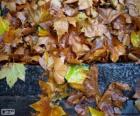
<point x="12" y="72"/>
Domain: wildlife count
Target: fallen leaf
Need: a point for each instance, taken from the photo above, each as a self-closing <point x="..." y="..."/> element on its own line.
<point x="77" y="74"/>
<point x="42" y="32"/>
<point x="4" y="26"/>
<point x="91" y="87"/>
<point x="60" y="70"/>
<point x="45" y="107"/>
<point x="135" y="39"/>
<point x="46" y="61"/>
<point x="95" y="112"/>
<point x="56" y="4"/>
<point x="137" y="104"/>
<point x="47" y="88"/>
<point x="84" y="4"/>
<point x="113" y="98"/>
<point x="12" y="72"/>
<point x="61" y="26"/>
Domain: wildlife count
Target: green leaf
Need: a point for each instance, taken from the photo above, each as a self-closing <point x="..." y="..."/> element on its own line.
<point x="77" y="74"/>
<point x="4" y="26"/>
<point x="135" y="39"/>
<point x="95" y="112"/>
<point x="12" y="72"/>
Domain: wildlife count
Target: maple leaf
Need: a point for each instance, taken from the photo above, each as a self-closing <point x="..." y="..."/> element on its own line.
<point x="45" y="107"/>
<point x="61" y="26"/>
<point x="12" y="72"/>
<point x="84" y="4"/>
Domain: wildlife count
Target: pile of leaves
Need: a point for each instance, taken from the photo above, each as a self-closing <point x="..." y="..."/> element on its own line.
<point x="78" y="31"/>
<point x="64" y="35"/>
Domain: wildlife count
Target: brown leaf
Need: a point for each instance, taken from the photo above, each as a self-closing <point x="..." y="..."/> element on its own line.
<point x="91" y="84"/>
<point x="4" y="57"/>
<point x="96" y="29"/>
<point x="108" y="15"/>
<point x="47" y="88"/>
<point x="61" y="26"/>
<point x="60" y="70"/>
<point x="44" y="106"/>
<point x="84" y="4"/>
<point x="76" y="43"/>
<point x="113" y="98"/>
<point x="117" y="49"/>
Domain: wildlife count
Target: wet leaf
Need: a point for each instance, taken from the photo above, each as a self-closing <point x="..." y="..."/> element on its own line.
<point x="12" y="72"/>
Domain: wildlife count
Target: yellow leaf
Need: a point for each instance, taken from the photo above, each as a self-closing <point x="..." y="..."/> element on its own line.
<point x="135" y="39"/>
<point x="46" y="108"/>
<point x="42" y="32"/>
<point x="12" y="72"/>
<point x="95" y="112"/>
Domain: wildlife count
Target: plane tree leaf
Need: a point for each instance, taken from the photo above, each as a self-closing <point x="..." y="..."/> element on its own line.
<point x="77" y="74"/>
<point x="12" y="72"/>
